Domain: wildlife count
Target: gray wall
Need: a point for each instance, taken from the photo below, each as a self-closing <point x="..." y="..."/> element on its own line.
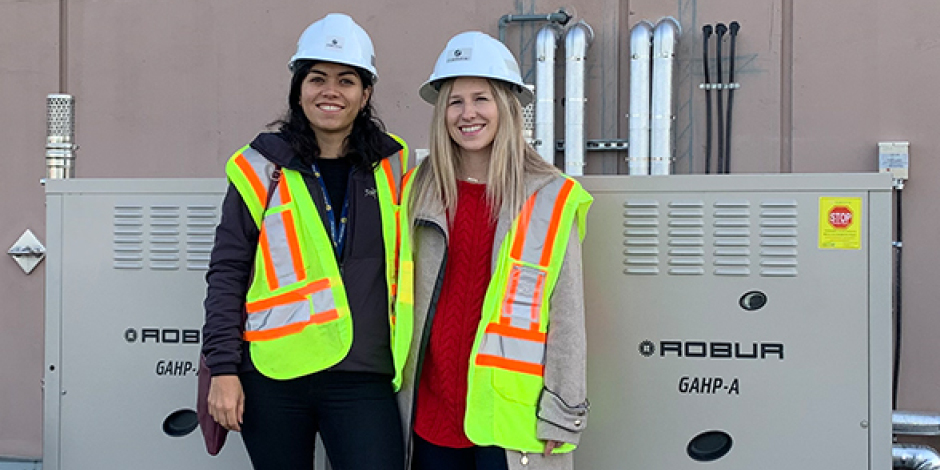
<point x="172" y="88"/>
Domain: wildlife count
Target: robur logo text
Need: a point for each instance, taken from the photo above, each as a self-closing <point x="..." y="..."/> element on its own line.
<point x="162" y="336"/>
<point x="713" y="349"/>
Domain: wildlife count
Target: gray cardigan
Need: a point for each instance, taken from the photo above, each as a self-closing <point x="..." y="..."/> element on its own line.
<point x="563" y="406"/>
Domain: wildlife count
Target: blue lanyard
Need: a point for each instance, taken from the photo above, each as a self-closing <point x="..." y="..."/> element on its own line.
<point x="337" y="231"/>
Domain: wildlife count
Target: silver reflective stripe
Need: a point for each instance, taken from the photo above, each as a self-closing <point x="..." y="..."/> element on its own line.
<point x="262" y="166"/>
<point x="523" y="308"/>
<point x="279" y="316"/>
<point x="512" y="348"/>
<point x="323" y="301"/>
<point x="541" y="221"/>
<point x="281" y="258"/>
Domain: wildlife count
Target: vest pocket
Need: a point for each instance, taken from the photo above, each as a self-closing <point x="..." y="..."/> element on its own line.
<point x="516" y="388"/>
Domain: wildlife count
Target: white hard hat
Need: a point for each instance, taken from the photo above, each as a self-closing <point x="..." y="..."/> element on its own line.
<point x="475" y="54"/>
<point x="337" y="38"/>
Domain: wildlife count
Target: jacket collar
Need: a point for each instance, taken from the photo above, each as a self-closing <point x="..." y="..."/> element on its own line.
<point x="275" y="147"/>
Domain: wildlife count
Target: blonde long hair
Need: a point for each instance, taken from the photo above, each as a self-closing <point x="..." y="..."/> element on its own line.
<point x="512" y="157"/>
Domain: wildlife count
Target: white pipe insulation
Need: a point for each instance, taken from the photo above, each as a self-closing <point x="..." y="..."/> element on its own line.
<point x="638" y="153"/>
<point x="577" y="41"/>
<point x="545" y="44"/>
<point x="662" y="119"/>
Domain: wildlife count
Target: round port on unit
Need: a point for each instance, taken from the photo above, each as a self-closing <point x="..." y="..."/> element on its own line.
<point x="180" y="423"/>
<point x="709" y="446"/>
<point x="753" y="300"/>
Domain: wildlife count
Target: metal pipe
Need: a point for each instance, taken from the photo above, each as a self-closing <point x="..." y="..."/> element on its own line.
<point x="733" y="31"/>
<point x="638" y="156"/>
<point x="915" y="424"/>
<point x="561" y="17"/>
<point x="577" y="41"/>
<point x="916" y="457"/>
<point x="60" y="136"/>
<point x="546" y="41"/>
<point x="662" y="119"/>
<point x="898" y="336"/>
<point x="720" y="30"/>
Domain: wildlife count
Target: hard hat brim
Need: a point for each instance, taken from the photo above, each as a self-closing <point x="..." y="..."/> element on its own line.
<point x="431" y="89"/>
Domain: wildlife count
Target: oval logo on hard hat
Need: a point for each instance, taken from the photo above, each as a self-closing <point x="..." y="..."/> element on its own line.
<point x="334" y="42"/>
<point x="460" y="54"/>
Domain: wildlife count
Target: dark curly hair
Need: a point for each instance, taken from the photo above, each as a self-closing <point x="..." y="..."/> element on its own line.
<point x="364" y="142"/>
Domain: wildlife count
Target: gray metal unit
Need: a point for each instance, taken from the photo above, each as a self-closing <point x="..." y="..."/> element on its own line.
<point x="802" y="382"/>
<point x="124" y="290"/>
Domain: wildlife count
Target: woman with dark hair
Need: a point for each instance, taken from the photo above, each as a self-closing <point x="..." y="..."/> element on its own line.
<point x="300" y="336"/>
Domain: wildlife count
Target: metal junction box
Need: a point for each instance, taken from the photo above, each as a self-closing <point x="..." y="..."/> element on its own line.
<point x="124" y="290"/>
<point x="738" y="322"/>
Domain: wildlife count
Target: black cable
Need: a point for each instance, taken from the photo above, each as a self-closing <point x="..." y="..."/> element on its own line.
<point x="897" y="300"/>
<point x="706" y="35"/>
<point x="720" y="30"/>
<point x="734" y="27"/>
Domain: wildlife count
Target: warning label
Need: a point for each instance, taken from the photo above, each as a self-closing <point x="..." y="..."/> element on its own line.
<point x="840" y="220"/>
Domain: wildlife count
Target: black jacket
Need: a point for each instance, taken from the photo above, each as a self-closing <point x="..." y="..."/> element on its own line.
<point x="362" y="269"/>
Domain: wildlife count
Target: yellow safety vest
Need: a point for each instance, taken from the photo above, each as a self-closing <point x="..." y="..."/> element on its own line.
<point x="507" y="362"/>
<point x="298" y="319"/>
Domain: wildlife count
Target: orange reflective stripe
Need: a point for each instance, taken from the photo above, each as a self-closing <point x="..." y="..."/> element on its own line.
<point x="285" y="191"/>
<point x="556" y="218"/>
<point x="294" y="246"/>
<point x="387" y="167"/>
<point x="404" y="181"/>
<point x="298" y="295"/>
<point x="506" y="316"/>
<point x="397" y="244"/>
<point x="513" y="332"/>
<point x="281" y="331"/>
<point x="269" y="272"/>
<point x="291" y="231"/>
<point x="256" y="185"/>
<point x="536" y="296"/>
<point x="487" y="360"/>
<point x="521" y="228"/>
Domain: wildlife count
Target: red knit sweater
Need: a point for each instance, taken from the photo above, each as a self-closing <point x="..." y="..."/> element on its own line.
<point x="442" y="389"/>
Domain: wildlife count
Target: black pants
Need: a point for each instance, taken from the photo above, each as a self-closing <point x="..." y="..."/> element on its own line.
<point x="427" y="456"/>
<point x="355" y="413"/>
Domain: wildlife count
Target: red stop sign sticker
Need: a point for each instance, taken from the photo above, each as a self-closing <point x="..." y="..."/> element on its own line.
<point x="840" y="217"/>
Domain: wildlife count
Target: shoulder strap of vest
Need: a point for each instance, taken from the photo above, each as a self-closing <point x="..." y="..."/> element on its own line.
<point x="582" y="199"/>
<point x="394" y="169"/>
<point x="275" y="179"/>
<point x="403" y="154"/>
<point x="251" y="173"/>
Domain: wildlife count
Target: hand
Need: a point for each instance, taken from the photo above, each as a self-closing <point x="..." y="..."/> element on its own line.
<point x="551" y="445"/>
<point x="226" y="401"/>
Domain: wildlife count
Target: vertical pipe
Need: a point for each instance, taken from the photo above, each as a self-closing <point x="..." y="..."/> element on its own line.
<point x="577" y="41"/>
<point x="706" y="34"/>
<point x="63" y="45"/>
<point x="786" y="86"/>
<point x="662" y="119"/>
<point x="733" y="30"/>
<point x="60" y="136"/>
<point x="720" y="30"/>
<point x="638" y="154"/>
<point x="546" y="41"/>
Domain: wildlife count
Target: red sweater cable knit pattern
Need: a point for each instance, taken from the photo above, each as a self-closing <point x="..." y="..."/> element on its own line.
<point x="442" y="390"/>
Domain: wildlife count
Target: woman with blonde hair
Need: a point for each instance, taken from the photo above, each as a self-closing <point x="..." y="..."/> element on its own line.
<point x="495" y="378"/>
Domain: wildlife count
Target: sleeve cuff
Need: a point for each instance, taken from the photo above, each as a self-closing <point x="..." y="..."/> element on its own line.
<point x="224" y="369"/>
<point x="560" y="421"/>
